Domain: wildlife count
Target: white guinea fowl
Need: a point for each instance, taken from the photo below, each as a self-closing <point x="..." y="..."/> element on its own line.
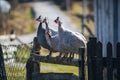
<point x="41" y="36"/>
<point x="70" y="40"/>
<point x="53" y="40"/>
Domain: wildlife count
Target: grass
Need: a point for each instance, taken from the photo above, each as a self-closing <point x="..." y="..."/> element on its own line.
<point x="77" y="8"/>
<point x="22" y="54"/>
<point x="47" y="67"/>
<point x="15" y="73"/>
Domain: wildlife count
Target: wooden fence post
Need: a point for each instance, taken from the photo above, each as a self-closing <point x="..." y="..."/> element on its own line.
<point x="29" y="68"/>
<point x="118" y="59"/>
<point x="81" y="68"/>
<point x="91" y="53"/>
<point x="36" y="48"/>
<point x="33" y="66"/>
<point x="99" y="62"/>
<point x="2" y="66"/>
<point x="109" y="62"/>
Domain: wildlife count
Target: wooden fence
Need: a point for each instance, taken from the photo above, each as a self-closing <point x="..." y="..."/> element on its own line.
<point x="99" y="67"/>
<point x="97" y="63"/>
<point x="33" y="66"/>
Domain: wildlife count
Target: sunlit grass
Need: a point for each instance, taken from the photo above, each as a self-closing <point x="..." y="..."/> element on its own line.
<point x="22" y="54"/>
<point x="56" y="68"/>
<point x="15" y="73"/>
<point x="77" y="8"/>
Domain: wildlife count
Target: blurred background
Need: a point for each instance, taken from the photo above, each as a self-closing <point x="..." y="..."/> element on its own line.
<point x="19" y="15"/>
<point x="18" y="27"/>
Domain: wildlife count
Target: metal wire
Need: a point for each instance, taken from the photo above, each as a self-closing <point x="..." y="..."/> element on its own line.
<point x="15" y="58"/>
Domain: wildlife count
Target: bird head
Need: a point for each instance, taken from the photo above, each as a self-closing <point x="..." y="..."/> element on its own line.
<point x="39" y="19"/>
<point x="44" y="20"/>
<point x="56" y="20"/>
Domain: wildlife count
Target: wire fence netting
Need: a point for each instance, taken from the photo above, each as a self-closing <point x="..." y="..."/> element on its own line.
<point x="15" y="58"/>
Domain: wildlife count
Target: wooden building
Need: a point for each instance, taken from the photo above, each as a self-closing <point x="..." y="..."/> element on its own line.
<point x="107" y="22"/>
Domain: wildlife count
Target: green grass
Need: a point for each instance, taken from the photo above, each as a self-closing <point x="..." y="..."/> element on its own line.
<point x="22" y="54"/>
<point x="15" y="73"/>
<point x="56" y="68"/>
<point x="77" y="8"/>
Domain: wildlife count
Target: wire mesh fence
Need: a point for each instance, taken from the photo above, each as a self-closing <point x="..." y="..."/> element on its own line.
<point x="15" y="57"/>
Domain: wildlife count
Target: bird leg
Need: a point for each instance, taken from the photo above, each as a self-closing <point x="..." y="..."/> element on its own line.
<point x="50" y="54"/>
<point x="71" y="55"/>
<point x="66" y="54"/>
<point x="60" y="54"/>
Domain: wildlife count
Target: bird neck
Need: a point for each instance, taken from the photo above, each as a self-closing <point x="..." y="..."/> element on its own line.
<point x="46" y="25"/>
<point x="40" y="26"/>
<point x="60" y="30"/>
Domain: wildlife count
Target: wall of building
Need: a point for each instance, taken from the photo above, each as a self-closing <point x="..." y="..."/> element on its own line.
<point x="107" y="22"/>
<point x="119" y="20"/>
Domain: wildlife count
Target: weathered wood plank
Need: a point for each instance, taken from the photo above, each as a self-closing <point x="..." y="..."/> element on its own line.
<point x="91" y="52"/>
<point x="118" y="20"/>
<point x="99" y="62"/>
<point x="104" y="22"/>
<point x="32" y="66"/>
<point x="81" y="63"/>
<point x="109" y="62"/>
<point x="89" y="61"/>
<point x="55" y="60"/>
<point x="29" y="69"/>
<point x="94" y="44"/>
<point x="36" y="48"/>
<point x="54" y="76"/>
<point x="115" y="21"/>
<point x="118" y="59"/>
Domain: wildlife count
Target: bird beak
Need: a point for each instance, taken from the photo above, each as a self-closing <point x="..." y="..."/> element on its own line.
<point x="44" y="20"/>
<point x="37" y="19"/>
<point x="56" y="20"/>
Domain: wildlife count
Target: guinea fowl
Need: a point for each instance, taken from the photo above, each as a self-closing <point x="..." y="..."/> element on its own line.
<point x="41" y="36"/>
<point x="53" y="40"/>
<point x="70" y="40"/>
